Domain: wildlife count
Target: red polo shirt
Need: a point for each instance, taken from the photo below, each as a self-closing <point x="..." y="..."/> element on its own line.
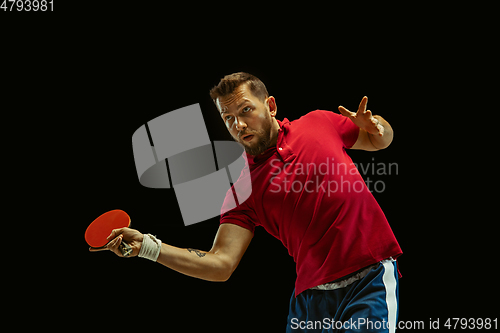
<point x="307" y="193"/>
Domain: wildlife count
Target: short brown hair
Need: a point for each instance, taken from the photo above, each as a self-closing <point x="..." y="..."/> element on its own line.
<point x="229" y="83"/>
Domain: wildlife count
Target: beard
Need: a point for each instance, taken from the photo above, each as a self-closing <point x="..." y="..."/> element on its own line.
<point x="262" y="142"/>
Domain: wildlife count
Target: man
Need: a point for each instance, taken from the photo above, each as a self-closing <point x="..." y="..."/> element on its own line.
<point x="307" y="193"/>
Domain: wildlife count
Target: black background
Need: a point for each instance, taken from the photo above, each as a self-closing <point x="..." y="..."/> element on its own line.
<point x="82" y="81"/>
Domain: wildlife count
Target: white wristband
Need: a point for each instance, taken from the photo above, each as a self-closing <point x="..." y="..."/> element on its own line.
<point x="150" y="248"/>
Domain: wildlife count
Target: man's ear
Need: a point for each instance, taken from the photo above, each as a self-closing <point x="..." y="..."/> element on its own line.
<point x="273" y="109"/>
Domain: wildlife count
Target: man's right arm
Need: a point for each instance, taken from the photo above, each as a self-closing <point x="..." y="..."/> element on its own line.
<point x="217" y="264"/>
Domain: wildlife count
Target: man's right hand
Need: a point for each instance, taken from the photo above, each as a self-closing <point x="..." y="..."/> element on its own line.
<point x="131" y="236"/>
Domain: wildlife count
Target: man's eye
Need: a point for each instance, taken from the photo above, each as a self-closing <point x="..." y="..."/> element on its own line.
<point x="246" y="109"/>
<point x="228" y="118"/>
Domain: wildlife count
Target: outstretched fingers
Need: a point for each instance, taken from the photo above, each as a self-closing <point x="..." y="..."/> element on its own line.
<point x="361" y="109"/>
<point x="346" y="112"/>
<point x="362" y="105"/>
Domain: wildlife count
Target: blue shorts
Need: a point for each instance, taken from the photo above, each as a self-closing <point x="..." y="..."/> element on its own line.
<point x="369" y="304"/>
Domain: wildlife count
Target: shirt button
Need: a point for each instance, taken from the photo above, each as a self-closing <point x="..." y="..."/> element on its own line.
<point x="280" y="148"/>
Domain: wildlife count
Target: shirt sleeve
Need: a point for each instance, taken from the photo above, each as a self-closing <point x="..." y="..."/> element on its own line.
<point x="241" y="215"/>
<point x="239" y="219"/>
<point x="346" y="129"/>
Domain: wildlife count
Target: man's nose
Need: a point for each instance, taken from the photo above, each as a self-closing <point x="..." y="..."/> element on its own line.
<point x="240" y="125"/>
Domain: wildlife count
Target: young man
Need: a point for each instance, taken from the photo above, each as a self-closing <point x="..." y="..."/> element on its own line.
<point x="307" y="193"/>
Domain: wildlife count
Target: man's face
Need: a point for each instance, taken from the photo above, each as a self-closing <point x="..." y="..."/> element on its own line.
<point x="248" y="119"/>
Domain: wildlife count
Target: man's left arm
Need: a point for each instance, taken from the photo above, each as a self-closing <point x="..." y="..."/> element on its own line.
<point x="375" y="132"/>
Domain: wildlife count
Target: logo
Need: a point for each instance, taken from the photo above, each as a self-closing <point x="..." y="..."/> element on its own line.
<point x="177" y="153"/>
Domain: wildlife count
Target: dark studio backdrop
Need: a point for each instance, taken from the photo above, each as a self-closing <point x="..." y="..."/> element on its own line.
<point x="437" y="264"/>
<point x="107" y="75"/>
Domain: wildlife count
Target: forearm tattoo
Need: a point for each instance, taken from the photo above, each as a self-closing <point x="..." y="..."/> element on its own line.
<point x="198" y="252"/>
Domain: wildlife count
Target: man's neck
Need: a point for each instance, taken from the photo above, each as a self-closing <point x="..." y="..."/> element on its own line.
<point x="274" y="132"/>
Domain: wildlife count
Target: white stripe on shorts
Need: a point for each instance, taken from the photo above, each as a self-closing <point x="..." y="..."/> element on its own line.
<point x="389" y="280"/>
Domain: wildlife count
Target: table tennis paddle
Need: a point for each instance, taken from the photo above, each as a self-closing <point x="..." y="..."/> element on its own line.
<point x="98" y="231"/>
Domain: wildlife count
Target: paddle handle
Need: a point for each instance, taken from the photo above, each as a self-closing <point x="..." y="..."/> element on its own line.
<point x="125" y="249"/>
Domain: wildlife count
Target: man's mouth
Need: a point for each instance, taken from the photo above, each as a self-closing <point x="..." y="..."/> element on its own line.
<point x="247" y="137"/>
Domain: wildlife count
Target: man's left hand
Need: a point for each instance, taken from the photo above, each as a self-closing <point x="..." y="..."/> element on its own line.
<point x="364" y="118"/>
